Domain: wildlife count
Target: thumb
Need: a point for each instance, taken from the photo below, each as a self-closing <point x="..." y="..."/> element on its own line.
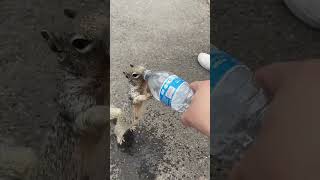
<point x="195" y="85"/>
<point x="236" y="173"/>
<point x="272" y="77"/>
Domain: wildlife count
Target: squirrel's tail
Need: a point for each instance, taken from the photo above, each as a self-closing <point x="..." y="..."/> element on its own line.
<point x="115" y="113"/>
<point x="121" y="126"/>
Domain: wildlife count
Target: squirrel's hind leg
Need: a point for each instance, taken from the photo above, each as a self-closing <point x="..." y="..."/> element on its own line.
<point x="92" y="119"/>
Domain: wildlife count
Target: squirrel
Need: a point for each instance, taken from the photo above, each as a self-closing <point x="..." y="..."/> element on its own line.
<point x="139" y="93"/>
<point x="83" y="58"/>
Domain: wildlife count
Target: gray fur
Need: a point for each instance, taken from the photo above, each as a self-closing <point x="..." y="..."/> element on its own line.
<point x="138" y="94"/>
<point x="83" y="57"/>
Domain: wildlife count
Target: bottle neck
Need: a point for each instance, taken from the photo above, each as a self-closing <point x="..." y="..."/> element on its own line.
<point x="146" y="74"/>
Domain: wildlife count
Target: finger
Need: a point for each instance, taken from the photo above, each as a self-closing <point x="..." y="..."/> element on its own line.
<point x="235" y="173"/>
<point x="272" y="77"/>
<point x="195" y="85"/>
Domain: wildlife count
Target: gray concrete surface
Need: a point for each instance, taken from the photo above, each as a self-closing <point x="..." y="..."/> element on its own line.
<point x="263" y="32"/>
<point x="260" y="33"/>
<point x="163" y="35"/>
<point x="27" y="71"/>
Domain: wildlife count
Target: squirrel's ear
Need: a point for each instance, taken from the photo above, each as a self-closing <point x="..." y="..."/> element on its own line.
<point x="125" y="74"/>
<point x="70" y="13"/>
<point x="52" y="41"/>
<point x="131" y="65"/>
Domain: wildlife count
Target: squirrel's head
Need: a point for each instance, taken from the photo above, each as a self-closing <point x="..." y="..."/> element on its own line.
<point x="84" y="49"/>
<point x="135" y="74"/>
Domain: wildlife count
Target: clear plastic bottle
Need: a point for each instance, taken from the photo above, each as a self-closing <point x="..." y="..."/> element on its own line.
<point x="170" y="89"/>
<point x="237" y="107"/>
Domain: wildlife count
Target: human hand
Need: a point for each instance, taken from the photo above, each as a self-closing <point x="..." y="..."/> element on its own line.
<point x="198" y="114"/>
<point x="288" y="145"/>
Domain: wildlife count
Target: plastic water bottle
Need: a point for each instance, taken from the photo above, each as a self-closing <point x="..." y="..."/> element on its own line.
<point x="170" y="89"/>
<point x="237" y="107"/>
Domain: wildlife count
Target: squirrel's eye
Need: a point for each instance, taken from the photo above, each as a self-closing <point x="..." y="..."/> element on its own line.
<point x="135" y="75"/>
<point x="81" y="44"/>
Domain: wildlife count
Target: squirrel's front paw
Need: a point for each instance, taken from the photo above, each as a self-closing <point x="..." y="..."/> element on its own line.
<point x="149" y="96"/>
<point x="133" y="128"/>
<point x="120" y="140"/>
<point x="135" y="101"/>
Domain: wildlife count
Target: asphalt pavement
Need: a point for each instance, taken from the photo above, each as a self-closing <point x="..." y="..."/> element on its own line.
<point x="162" y="35"/>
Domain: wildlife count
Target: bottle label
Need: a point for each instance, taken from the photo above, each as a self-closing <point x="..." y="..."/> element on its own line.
<point x="221" y="63"/>
<point x="169" y="88"/>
